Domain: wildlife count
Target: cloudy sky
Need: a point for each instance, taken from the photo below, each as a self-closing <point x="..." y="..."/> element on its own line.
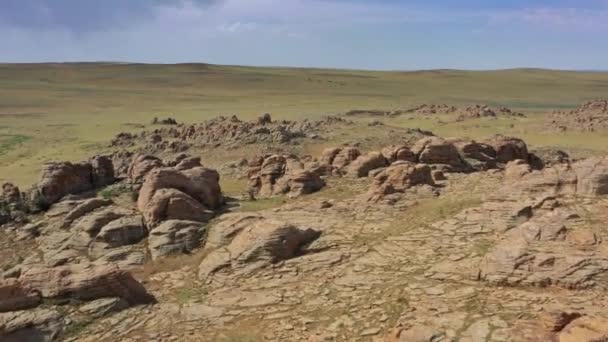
<point x="371" y="34"/>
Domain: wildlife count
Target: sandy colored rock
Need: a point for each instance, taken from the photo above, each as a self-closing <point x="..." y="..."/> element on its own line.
<point x="85" y="282"/>
<point x="365" y="163"/>
<point x="102" y="171"/>
<point x="592" y="176"/>
<point x="60" y="179"/>
<point x="585" y="329"/>
<point x="508" y="148"/>
<point x="435" y="150"/>
<point x="175" y="237"/>
<point x="140" y="166"/>
<point x="84" y="208"/>
<point x="399" y="177"/>
<point x="172" y="204"/>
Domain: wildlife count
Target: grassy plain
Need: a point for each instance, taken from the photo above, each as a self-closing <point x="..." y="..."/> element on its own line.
<point x="70" y="111"/>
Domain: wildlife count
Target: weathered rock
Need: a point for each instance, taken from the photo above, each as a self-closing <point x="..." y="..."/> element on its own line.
<point x="592" y="174"/>
<point x="85" y="282"/>
<point x="399" y="177"/>
<point x="277" y="174"/>
<point x="10" y="194"/>
<point x="535" y="253"/>
<point x="419" y="333"/>
<point x="585" y="329"/>
<point x="89" y="226"/>
<point x="508" y="148"/>
<point x="262" y="243"/>
<point x="365" y="163"/>
<point x="230" y="226"/>
<point x="304" y="183"/>
<point x="205" y="186"/>
<point x="102" y="171"/>
<point x="39" y="324"/>
<point x="172" y="204"/>
<point x="555" y="319"/>
<point x="395" y="153"/>
<point x="104" y="306"/>
<point x="121" y="232"/>
<point x="175" y="237"/>
<point x="15" y="296"/>
<point x="60" y="179"/>
<point x="188" y="163"/>
<point x="140" y="166"/>
<point x="84" y="208"/>
<point x="344" y="157"/>
<point x="435" y="150"/>
<point x="479" y="155"/>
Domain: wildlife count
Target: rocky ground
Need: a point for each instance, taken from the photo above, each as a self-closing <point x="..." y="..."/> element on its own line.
<point x="429" y="110"/>
<point x="589" y="117"/>
<point x="421" y="238"/>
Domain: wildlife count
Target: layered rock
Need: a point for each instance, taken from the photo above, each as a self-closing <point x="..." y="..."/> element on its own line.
<point x="399" y="177"/>
<point x="15" y="296"/>
<point x="258" y="244"/>
<point x="85" y="282"/>
<point x="508" y="148"/>
<point x="366" y="163"/>
<point x="435" y="150"/>
<point x="175" y="237"/>
<point x="273" y="175"/>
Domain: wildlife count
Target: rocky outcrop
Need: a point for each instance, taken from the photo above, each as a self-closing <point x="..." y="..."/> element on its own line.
<point x="85" y="282"/>
<point x="273" y="175"/>
<point x="190" y="194"/>
<point x="141" y="166"/>
<point x="84" y="208"/>
<point x="175" y="237"/>
<point x="339" y="158"/>
<point x="396" y="153"/>
<point x="365" y="163"/>
<point x="435" y="150"/>
<point x="261" y="243"/>
<point x="508" y="148"/>
<point x="589" y="117"/>
<point x="592" y="174"/>
<point x="480" y="156"/>
<point x="399" y="177"/>
<point x="584" y="329"/>
<point x="102" y="171"/>
<point x="124" y="231"/>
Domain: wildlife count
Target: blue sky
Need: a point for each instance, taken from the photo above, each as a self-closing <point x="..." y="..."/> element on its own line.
<point x="370" y="34"/>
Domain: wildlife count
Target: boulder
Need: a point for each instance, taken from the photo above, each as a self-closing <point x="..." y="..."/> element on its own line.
<point x="175" y="237"/>
<point x="10" y="194"/>
<point x="85" y="282"/>
<point x="205" y="186"/>
<point x="304" y="182"/>
<point x="435" y="150"/>
<point x="479" y="155"/>
<point x="60" y="179"/>
<point x="188" y="163"/>
<point x="102" y="171"/>
<point x="365" y="163"/>
<point x="399" y="177"/>
<point x="172" y="204"/>
<point x="262" y="243"/>
<point x="140" y="166"/>
<point x="39" y="324"/>
<point x="395" y="153"/>
<point x="344" y="157"/>
<point x="15" y="296"/>
<point x="508" y="148"/>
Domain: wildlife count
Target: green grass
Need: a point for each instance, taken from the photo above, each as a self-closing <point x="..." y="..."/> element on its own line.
<point x="72" y="110"/>
<point x="114" y="191"/>
<point x="10" y="142"/>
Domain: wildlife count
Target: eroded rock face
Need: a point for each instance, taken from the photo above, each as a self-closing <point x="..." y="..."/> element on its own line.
<point x="508" y="148"/>
<point x="85" y="282"/>
<point x="124" y="231"/>
<point x="399" y="177"/>
<point x="396" y="153"/>
<point x="175" y="237"/>
<point x="60" y="179"/>
<point x="479" y="155"/>
<point x="277" y="174"/>
<point x="435" y="150"/>
<point x="259" y="244"/>
<point x="102" y="171"/>
<point x="365" y="163"/>
<point x="592" y="176"/>
<point x="140" y="166"/>
<point x="343" y="157"/>
<point x="172" y="204"/>
<point x="585" y="329"/>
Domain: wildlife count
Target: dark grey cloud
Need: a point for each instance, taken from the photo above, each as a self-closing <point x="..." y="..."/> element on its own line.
<point x="82" y="15"/>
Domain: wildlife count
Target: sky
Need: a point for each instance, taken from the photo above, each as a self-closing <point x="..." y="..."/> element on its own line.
<point x="354" y="34"/>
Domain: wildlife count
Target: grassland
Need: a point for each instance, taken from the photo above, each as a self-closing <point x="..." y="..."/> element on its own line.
<point x="70" y="111"/>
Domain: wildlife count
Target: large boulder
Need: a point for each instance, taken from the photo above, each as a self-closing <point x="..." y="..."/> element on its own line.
<point x="479" y="155"/>
<point x="11" y="194"/>
<point x="508" y="148"/>
<point x="283" y="174"/>
<point x="85" y="282"/>
<point x="365" y="163"/>
<point x="399" y="177"/>
<point x="124" y="231"/>
<point x="175" y="237"/>
<point x="60" y="179"/>
<point x="140" y="166"/>
<point x="435" y="150"/>
<point x="395" y="153"/>
<point x="205" y="186"/>
<point x="173" y="204"/>
<point x="102" y="171"/>
<point x="84" y="208"/>
<point x="263" y="242"/>
<point x="344" y="157"/>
